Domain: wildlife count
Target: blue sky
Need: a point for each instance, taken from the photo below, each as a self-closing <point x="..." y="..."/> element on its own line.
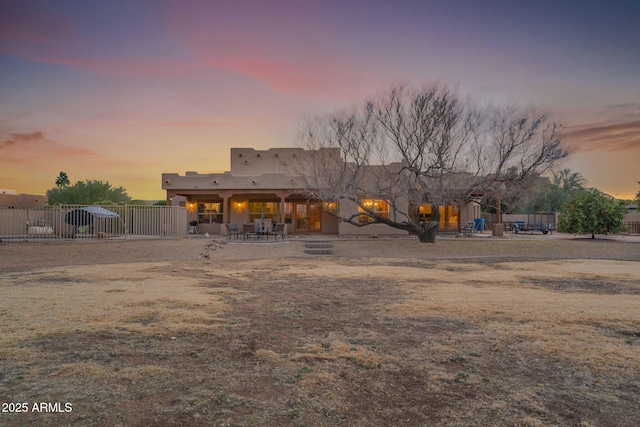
<point x="123" y="91"/>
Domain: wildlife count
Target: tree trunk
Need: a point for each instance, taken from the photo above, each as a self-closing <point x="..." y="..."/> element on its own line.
<point x="593" y="236"/>
<point x="430" y="232"/>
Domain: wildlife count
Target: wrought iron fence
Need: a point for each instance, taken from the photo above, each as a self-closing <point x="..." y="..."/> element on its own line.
<point x="91" y="222"/>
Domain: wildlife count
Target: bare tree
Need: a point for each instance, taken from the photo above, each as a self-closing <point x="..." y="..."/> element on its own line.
<point x="411" y="146"/>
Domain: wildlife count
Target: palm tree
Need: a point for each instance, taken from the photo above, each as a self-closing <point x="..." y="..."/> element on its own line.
<point x="569" y="181"/>
<point x="62" y="180"/>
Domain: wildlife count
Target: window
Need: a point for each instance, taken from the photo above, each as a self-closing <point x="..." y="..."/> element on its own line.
<point x="209" y="212"/>
<point x="425" y="212"/>
<point x="331" y="207"/>
<point x="449" y="215"/>
<point x="380" y="207"/>
<point x="288" y="213"/>
<point x="450" y="218"/>
<point x="259" y="210"/>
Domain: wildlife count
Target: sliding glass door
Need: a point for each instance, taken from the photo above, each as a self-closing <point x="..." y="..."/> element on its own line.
<point x="308" y="217"/>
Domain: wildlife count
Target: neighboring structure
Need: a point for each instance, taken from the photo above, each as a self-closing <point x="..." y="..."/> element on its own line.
<point x="11" y="199"/>
<point x="261" y="184"/>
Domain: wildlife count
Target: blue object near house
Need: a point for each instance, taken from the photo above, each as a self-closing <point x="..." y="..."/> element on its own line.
<point x="478" y="224"/>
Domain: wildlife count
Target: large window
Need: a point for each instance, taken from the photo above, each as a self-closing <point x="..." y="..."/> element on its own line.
<point x="259" y="210"/>
<point x="288" y="213"/>
<point x="380" y="207"/>
<point x="449" y="216"/>
<point x="425" y="212"/>
<point x="209" y="212"/>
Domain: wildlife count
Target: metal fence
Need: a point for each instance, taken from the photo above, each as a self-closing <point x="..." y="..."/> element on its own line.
<point x="91" y="222"/>
<point x="631" y="227"/>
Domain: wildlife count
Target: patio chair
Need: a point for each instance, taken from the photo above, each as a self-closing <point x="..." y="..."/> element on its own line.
<point x="232" y="230"/>
<point x="279" y="231"/>
<point x="468" y="228"/>
<point x="249" y="230"/>
<point x="267" y="228"/>
<point x="260" y="229"/>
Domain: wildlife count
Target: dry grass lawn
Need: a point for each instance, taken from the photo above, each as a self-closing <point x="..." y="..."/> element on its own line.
<point x="384" y="332"/>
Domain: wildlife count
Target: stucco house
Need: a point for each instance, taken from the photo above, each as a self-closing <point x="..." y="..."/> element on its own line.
<point x="11" y="199"/>
<point x="261" y="184"/>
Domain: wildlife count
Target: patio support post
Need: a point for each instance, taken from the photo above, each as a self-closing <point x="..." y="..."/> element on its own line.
<point x="226" y="205"/>
<point x="225" y="209"/>
<point x="282" y="197"/>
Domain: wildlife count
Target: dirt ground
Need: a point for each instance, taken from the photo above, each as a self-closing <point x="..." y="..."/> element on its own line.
<point x="508" y="332"/>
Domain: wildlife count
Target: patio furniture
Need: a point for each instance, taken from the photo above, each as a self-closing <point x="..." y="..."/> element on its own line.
<point x="249" y="230"/>
<point x="269" y="229"/>
<point x="232" y="230"/>
<point x="279" y="231"/>
<point x="263" y="227"/>
<point x="468" y="228"/>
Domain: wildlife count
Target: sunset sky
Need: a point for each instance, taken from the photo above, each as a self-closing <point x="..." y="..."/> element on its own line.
<point x="124" y="90"/>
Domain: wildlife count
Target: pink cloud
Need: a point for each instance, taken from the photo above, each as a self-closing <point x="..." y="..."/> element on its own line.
<point x="258" y="42"/>
<point x="191" y="124"/>
<point x="29" y="163"/>
<point x="25" y="147"/>
<point x="17" y="138"/>
<point x="35" y="150"/>
<point x="606" y="136"/>
<point x="316" y="76"/>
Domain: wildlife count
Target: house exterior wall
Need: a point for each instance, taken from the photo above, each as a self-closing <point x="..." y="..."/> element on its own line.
<point x="255" y="175"/>
<point x="251" y="162"/>
<point x="330" y="224"/>
<point x="345" y="229"/>
<point x="263" y="176"/>
<point x="469" y="212"/>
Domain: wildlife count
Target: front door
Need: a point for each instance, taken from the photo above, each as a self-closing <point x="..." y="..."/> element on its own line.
<point x="308" y="217"/>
